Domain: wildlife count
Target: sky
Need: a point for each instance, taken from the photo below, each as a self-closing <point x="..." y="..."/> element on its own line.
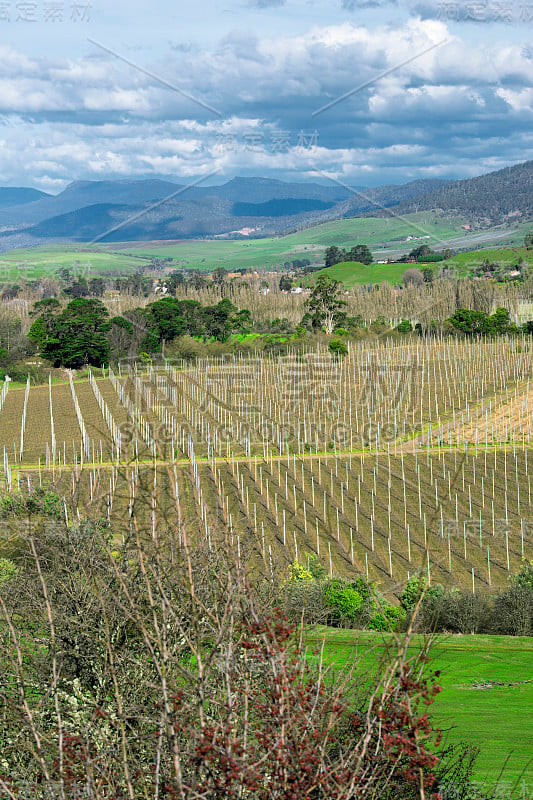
<point x="361" y="92"/>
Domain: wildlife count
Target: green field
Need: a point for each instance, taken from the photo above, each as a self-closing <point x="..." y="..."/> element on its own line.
<point x="36" y="262"/>
<point x="353" y="274"/>
<point x="473" y="707"/>
<point x="503" y="255"/>
<point x="310" y="243"/>
<point x="388" y="237"/>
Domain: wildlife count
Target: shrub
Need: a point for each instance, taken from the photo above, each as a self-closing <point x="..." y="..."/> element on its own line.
<point x="344" y="599"/>
<point x="337" y="348"/>
<point x="388" y="618"/>
<point x="513" y="611"/>
<point x="457" y="612"/>
<point x="413" y="591"/>
<point x="299" y="573"/>
<point x="404" y="326"/>
<point x="7" y="570"/>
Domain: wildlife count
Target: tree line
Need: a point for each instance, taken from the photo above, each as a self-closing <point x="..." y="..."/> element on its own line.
<point x="83" y="332"/>
<point x="336" y="255"/>
<point x="345" y="603"/>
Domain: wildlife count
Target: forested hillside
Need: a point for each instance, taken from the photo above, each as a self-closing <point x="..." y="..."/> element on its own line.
<point x="495" y="197"/>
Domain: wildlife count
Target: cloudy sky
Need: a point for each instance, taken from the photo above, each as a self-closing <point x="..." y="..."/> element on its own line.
<point x="363" y="91"/>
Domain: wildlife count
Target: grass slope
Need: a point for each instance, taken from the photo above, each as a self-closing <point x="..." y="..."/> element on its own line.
<point x="495" y="718"/>
<point x="310" y="243"/>
<point x="503" y="255"/>
<point x="351" y="273"/>
<point x="268" y="253"/>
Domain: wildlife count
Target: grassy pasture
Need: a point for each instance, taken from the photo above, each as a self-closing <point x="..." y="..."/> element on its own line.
<point x="503" y="255"/>
<point x="36" y="262"/>
<point x="486" y="699"/>
<point x="353" y="274"/>
<point x="308" y="243"/>
<point x="385" y="236"/>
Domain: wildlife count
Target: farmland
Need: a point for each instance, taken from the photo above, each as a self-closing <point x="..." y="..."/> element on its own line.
<point x="33" y="263"/>
<point x="387" y="237"/>
<point x="395" y="460"/>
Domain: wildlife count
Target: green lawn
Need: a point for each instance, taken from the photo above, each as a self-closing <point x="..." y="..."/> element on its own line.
<point x="497" y="719"/>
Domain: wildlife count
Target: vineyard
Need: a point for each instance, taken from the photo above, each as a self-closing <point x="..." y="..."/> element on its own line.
<point x="393" y="460"/>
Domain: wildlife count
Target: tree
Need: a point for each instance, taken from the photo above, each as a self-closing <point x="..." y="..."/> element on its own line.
<point x="217" y="320"/>
<point x="421" y="252"/>
<point x="413" y="277"/>
<point x="285" y="283"/>
<point x="166" y="318"/>
<point x="120" y="337"/>
<point x="78" y="289"/>
<point x="197" y="281"/>
<point x="478" y="323"/>
<point x="45" y="311"/>
<point x="332" y="256"/>
<point x="335" y="255"/>
<point x="242" y="321"/>
<point x="74" y="337"/>
<point x="528" y="240"/>
<point x="500" y="321"/>
<point x="219" y="275"/>
<point x="174" y="280"/>
<point x="360" y="253"/>
<point x="469" y="321"/>
<point x="325" y="302"/>
<point x="97" y="287"/>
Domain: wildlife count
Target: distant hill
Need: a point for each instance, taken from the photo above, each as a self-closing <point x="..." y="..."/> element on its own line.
<point x="280" y="207"/>
<point x="152" y="209"/>
<point x="81" y="194"/>
<point x="172" y="219"/>
<point x="89" y="223"/>
<point x="18" y="196"/>
<point x="143" y="210"/>
<point x="506" y="194"/>
<point x="369" y="201"/>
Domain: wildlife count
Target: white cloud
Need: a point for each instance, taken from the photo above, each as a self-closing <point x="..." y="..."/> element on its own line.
<point x="442" y="113"/>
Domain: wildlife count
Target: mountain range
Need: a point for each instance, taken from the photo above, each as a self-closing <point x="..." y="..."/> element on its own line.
<point x="143" y="210"/>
